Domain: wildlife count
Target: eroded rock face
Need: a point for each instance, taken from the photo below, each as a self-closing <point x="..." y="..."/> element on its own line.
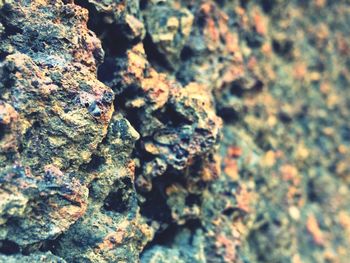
<point x="54" y="113"/>
<point x="174" y="131"/>
<point x="35" y="257"/>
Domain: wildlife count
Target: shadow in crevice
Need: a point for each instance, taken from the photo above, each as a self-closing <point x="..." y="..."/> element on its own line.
<point x="9" y="247"/>
<point x="167" y="237"/>
<point x="154" y="56"/>
<point x="114" y="43"/>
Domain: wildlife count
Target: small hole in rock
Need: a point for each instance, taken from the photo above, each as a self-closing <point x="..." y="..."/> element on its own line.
<point x="95" y="163"/>
<point x="192" y="200"/>
<point x="186" y="53"/>
<point x="115" y="202"/>
<point x="8" y="247"/>
<point x="2" y="131"/>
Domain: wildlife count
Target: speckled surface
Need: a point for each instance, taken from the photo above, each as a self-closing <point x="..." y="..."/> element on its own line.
<point x="184" y="131"/>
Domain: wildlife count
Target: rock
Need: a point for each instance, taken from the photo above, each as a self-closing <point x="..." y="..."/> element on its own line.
<point x="174" y="131"/>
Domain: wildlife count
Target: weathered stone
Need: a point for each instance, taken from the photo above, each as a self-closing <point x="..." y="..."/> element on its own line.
<point x="174" y="131"/>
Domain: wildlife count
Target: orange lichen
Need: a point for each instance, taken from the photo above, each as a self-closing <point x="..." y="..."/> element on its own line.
<point x="315" y="231"/>
<point x="231" y="168"/>
<point x="234" y="151"/>
<point x="245" y="199"/>
<point x="260" y="22"/>
<point x="229" y="247"/>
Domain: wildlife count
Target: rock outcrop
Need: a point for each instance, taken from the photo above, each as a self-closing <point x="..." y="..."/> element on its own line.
<point x="174" y="131"/>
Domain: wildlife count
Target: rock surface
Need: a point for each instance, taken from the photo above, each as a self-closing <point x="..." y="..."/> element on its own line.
<point x="174" y="131"/>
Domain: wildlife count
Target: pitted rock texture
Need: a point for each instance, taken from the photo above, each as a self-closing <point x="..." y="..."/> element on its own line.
<point x="174" y="131"/>
<point x="53" y="116"/>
